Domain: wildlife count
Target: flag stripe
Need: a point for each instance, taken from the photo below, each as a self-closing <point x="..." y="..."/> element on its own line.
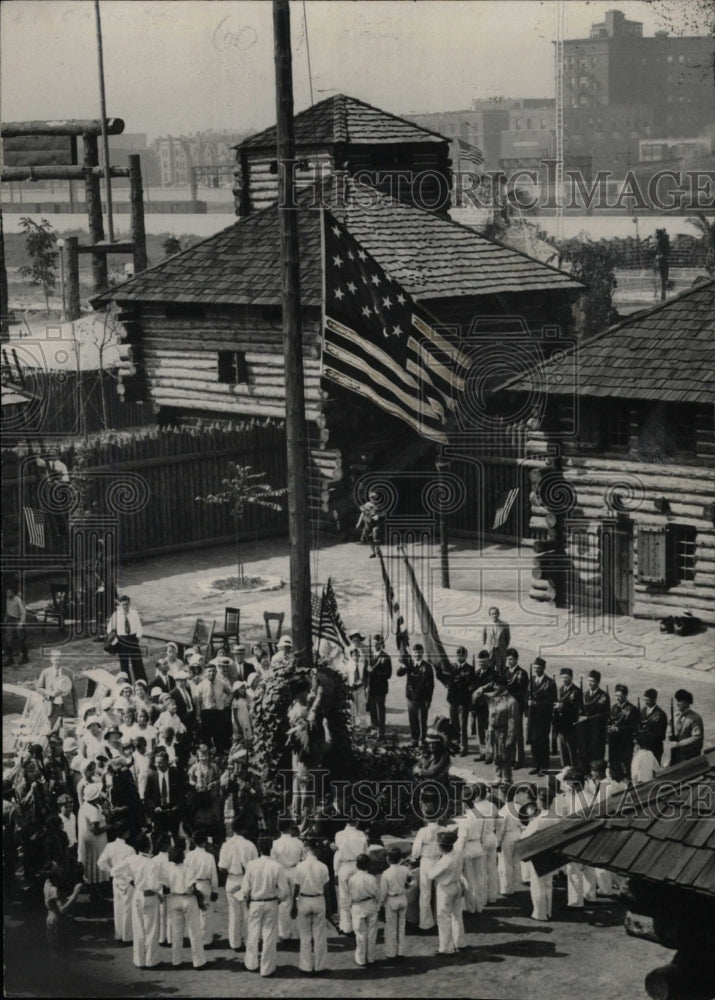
<point x="397" y="622"/>
<point x="454" y="354"/>
<point x="372" y="351"/>
<point x="503" y="511"/>
<point x="369" y="393"/>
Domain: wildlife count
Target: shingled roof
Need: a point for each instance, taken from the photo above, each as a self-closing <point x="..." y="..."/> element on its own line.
<point x="432" y="257"/>
<point x="342" y="119"/>
<point x="662" y="831"/>
<point x="666" y="353"/>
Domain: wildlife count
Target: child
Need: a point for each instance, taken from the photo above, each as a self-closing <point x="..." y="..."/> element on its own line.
<point x="169" y="717"/>
<point x="56" y="907"/>
<point x="69" y="821"/>
<point x="169" y="744"/>
<point x="240" y="718"/>
<point x="141" y="765"/>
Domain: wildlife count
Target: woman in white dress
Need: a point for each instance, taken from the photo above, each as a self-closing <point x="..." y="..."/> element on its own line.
<point x="144" y="728"/>
<point x="91" y="835"/>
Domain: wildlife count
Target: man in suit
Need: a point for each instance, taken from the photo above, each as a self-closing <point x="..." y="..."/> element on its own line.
<point x="379" y="672"/>
<point x="418" y="690"/>
<point x="162" y="678"/>
<point x="483" y="676"/>
<point x="164" y="795"/>
<point x="653" y="726"/>
<point x="495" y="639"/>
<point x="542" y="695"/>
<point x="56" y="685"/>
<point x="516" y="680"/>
<point x="567" y="709"/>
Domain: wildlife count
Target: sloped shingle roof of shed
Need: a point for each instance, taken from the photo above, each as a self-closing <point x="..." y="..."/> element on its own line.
<point x="666" y="353"/>
<point x="662" y="831"/>
<point x="342" y="119"/>
<point x="432" y="257"/>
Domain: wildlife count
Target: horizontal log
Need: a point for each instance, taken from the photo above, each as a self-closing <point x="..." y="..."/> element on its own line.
<point x="59" y="173"/>
<point x="222" y="389"/>
<point x="62" y="126"/>
<point x="232" y="406"/>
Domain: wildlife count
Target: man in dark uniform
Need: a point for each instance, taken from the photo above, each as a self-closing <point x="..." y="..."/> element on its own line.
<point x="483" y="676"/>
<point x="622" y="727"/>
<point x="687" y="734"/>
<point x="542" y="695"/>
<point x="379" y="672"/>
<point x="418" y="690"/>
<point x="567" y="709"/>
<point x="458" y="678"/>
<point x="516" y="681"/>
<point x="653" y="725"/>
<point x="592" y="728"/>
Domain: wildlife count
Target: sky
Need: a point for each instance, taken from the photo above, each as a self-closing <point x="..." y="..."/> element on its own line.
<point x="177" y="66"/>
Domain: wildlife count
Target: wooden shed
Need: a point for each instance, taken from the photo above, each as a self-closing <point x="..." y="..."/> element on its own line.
<point x="621" y="454"/>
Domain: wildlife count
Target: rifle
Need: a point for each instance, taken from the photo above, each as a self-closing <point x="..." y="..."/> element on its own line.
<point x="672" y="720"/>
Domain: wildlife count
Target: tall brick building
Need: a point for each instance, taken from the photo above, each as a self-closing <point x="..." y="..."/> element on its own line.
<point x="620" y="87"/>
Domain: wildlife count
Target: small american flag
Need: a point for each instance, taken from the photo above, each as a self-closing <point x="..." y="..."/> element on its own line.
<point x="35" y="524"/>
<point x="470" y="154"/>
<point x="506" y="502"/>
<point x="324" y="626"/>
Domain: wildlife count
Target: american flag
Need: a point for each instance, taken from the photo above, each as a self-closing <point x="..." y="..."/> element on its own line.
<point x="469" y="154"/>
<point x="35" y="524"/>
<point x="397" y="621"/>
<point x="378" y="343"/>
<point x="331" y="609"/>
<point x="505" y="503"/>
<point x="324" y="625"/>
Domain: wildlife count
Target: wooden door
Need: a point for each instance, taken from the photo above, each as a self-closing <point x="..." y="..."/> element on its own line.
<point x="617" y="567"/>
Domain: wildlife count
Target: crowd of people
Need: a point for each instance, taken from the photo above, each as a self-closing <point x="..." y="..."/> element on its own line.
<point x="153" y="789"/>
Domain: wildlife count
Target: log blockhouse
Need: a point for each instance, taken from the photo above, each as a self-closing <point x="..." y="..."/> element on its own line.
<point x="621" y="464"/>
<point x="204" y="327"/>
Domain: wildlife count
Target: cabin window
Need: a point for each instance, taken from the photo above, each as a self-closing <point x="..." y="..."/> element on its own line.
<point x="617" y="427"/>
<point x="666" y="555"/>
<point x="232" y="367"/>
<point x="684" y="420"/>
<point x="684" y="552"/>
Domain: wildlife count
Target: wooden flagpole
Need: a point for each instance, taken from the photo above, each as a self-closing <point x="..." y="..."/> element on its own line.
<point x="296" y="433"/>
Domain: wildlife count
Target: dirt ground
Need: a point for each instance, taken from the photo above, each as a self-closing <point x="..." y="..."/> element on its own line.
<point x="508" y="957"/>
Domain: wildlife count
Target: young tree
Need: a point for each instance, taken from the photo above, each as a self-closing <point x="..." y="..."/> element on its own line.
<point x="706" y="227"/>
<point x="595" y="265"/>
<point x="242" y="487"/>
<point x="40" y="243"/>
<point x="662" y="260"/>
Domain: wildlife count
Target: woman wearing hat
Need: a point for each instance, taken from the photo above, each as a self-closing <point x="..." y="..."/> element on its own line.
<point x="92" y="740"/>
<point x="91" y="835"/>
<point x="283" y="656"/>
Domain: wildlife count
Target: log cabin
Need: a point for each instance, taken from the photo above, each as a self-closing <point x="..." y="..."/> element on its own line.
<point x="621" y="458"/>
<point x="204" y="327"/>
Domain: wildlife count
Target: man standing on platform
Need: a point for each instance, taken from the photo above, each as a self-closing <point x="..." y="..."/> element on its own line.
<point x="495" y="639"/>
<point x="653" y="727"/>
<point x="542" y="695"/>
<point x="592" y="728"/>
<point x="622" y="727"/>
<point x="126" y="623"/>
<point x="567" y="709"/>
<point x="419" y="690"/>
<point x="379" y="672"/>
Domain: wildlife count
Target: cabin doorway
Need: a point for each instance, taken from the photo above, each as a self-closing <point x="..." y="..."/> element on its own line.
<point x="617" y="567"/>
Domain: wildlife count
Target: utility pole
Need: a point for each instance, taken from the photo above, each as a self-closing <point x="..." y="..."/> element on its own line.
<point x="559" y="97"/>
<point x="103" y="112"/>
<point x="296" y="431"/>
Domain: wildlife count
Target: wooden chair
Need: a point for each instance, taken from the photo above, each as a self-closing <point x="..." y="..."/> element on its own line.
<point x="203" y="635"/>
<point x="231" y="625"/>
<point x="272" y="637"/>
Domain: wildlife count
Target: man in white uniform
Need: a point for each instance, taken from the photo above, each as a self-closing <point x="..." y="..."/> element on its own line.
<point x="350" y="844"/>
<point x="265" y="885"/>
<point x="235" y="854"/>
<point x="287" y="850"/>
<point x="310" y="880"/>
<point x="394" y="883"/>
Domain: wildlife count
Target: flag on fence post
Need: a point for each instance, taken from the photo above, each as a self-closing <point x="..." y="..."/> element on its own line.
<point x="35" y="524"/>
<point x="504" y="504"/>
<point x="397" y="622"/>
<point x="378" y="343"/>
<point x="435" y="651"/>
